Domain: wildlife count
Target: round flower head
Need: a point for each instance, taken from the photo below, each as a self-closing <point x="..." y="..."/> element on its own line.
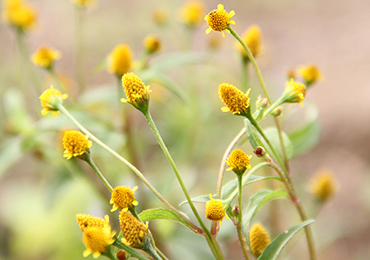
<point x="18" y="14"/>
<point x="259" y="239"/>
<point x="123" y="198"/>
<point x="324" y="186"/>
<point x="44" y="57"/>
<point x="133" y="230"/>
<point x="219" y="20"/>
<point x="136" y="92"/>
<point x="215" y="210"/>
<point x="294" y="92"/>
<point x="253" y="39"/>
<point x="85" y="221"/>
<point x="192" y="13"/>
<point x="238" y="161"/>
<point x="152" y="43"/>
<point x="75" y="144"/>
<point x="310" y="74"/>
<point x="236" y="101"/>
<point x="51" y="99"/>
<point x="96" y="240"/>
<point x="119" y="60"/>
<point x="160" y="16"/>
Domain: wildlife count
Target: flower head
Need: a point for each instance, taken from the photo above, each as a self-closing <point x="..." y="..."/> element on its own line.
<point x="192" y="13"/>
<point x="136" y="92"/>
<point x="152" y="43"/>
<point x="236" y="101"/>
<point x="75" y="144"/>
<point x="215" y="210"/>
<point x="85" y="221"/>
<point x="253" y="39"/>
<point x="44" y="57"/>
<point x="310" y="74"/>
<point x="294" y="92"/>
<point x="83" y="3"/>
<point x="18" y="14"/>
<point x="219" y="20"/>
<point x="97" y="239"/>
<point x="238" y="161"/>
<point x="51" y="99"/>
<point x="160" y="16"/>
<point x="324" y="186"/>
<point x="133" y="230"/>
<point x="259" y="239"/>
<point x="120" y="59"/>
<point x="123" y="198"/>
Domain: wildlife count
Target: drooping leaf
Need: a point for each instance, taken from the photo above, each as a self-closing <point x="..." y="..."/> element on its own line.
<point x="273" y="250"/>
<point x="256" y="202"/>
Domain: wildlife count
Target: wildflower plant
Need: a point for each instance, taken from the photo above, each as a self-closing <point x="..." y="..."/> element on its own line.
<point x="128" y="233"/>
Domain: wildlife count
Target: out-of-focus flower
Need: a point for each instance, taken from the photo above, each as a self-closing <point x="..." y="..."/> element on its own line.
<point x="44" y="57"/>
<point x="133" y="230"/>
<point x="83" y="3"/>
<point x="19" y="14"/>
<point x="259" y="239"/>
<point x="136" y="92"/>
<point x="236" y="101"/>
<point x="75" y="144"/>
<point x="51" y="99"/>
<point x="97" y="239"/>
<point x="192" y="13"/>
<point x="253" y="39"/>
<point x="295" y="92"/>
<point x="215" y="210"/>
<point x="160" y="16"/>
<point x="238" y="161"/>
<point x="310" y="74"/>
<point x="219" y="20"/>
<point x="120" y="59"/>
<point x="324" y="185"/>
<point x="123" y="198"/>
<point x="152" y="43"/>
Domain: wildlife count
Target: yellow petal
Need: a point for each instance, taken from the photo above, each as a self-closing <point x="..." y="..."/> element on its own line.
<point x="208" y="30"/>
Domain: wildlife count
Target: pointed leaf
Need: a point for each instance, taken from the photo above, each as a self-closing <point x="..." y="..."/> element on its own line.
<point x="273" y="250"/>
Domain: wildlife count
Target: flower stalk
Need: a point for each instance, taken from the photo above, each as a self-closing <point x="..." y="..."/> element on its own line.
<point x="88" y="159"/>
<point x="240" y="218"/>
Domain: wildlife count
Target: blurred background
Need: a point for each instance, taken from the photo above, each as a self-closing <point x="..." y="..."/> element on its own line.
<point x="41" y="192"/>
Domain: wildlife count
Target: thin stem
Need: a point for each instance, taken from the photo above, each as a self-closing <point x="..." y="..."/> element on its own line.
<point x="159" y="252"/>
<point x="196" y="229"/>
<point x="161" y="143"/>
<point x="89" y="160"/>
<point x="129" y="250"/>
<point x="240" y="218"/>
<point x="245" y="78"/>
<point x="153" y="253"/>
<point x="109" y="254"/>
<point x="294" y="198"/>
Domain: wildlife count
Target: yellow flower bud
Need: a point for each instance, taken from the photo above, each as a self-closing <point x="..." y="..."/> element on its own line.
<point x="253" y="39"/>
<point x="238" y="161"/>
<point x="75" y="144"/>
<point x="294" y="92"/>
<point x="123" y="198"/>
<point x="236" y="101"/>
<point x="85" y="221"/>
<point x="133" y="230"/>
<point x="310" y="74"/>
<point x="215" y="210"/>
<point x="136" y="92"/>
<point x="324" y="186"/>
<point x="259" y="239"/>
<point x="160" y="16"/>
<point x="18" y="14"/>
<point x="97" y="240"/>
<point x="51" y="99"/>
<point x="120" y="60"/>
<point x="44" y="57"/>
<point x="152" y="43"/>
<point x="219" y="20"/>
<point x="192" y="13"/>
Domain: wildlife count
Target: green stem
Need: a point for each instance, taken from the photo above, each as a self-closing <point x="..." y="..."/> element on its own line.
<point x="245" y="75"/>
<point x="161" y="143"/>
<point x="89" y="160"/>
<point x="196" y="229"/>
<point x="129" y="250"/>
<point x="109" y="254"/>
<point x="153" y="253"/>
<point x="240" y="218"/>
<point x="294" y="198"/>
<point x="161" y="254"/>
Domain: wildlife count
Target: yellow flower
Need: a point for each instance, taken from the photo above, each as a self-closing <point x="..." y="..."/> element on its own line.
<point x="219" y="20"/>
<point x="152" y="43"/>
<point x="160" y="16"/>
<point x="259" y="239"/>
<point x="253" y="39"/>
<point x="310" y="74"/>
<point x="136" y="92"/>
<point x="18" y="14"/>
<point x="83" y="3"/>
<point x="44" y="57"/>
<point x="75" y="144"/>
<point x="236" y="101"/>
<point x="215" y="210"/>
<point x="51" y="99"/>
<point x="294" y="92"/>
<point x="120" y="59"/>
<point x="123" y="198"/>
<point x="133" y="230"/>
<point x="238" y="161"/>
<point x="324" y="185"/>
<point x="192" y="13"/>
<point x="85" y="221"/>
<point x="97" y="239"/>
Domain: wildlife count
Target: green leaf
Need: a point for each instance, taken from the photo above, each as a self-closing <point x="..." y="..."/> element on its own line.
<point x="254" y="137"/>
<point x="159" y="213"/>
<point x="308" y="135"/>
<point x="200" y="199"/>
<point x="273" y="250"/>
<point x="273" y="135"/>
<point x="256" y="202"/>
